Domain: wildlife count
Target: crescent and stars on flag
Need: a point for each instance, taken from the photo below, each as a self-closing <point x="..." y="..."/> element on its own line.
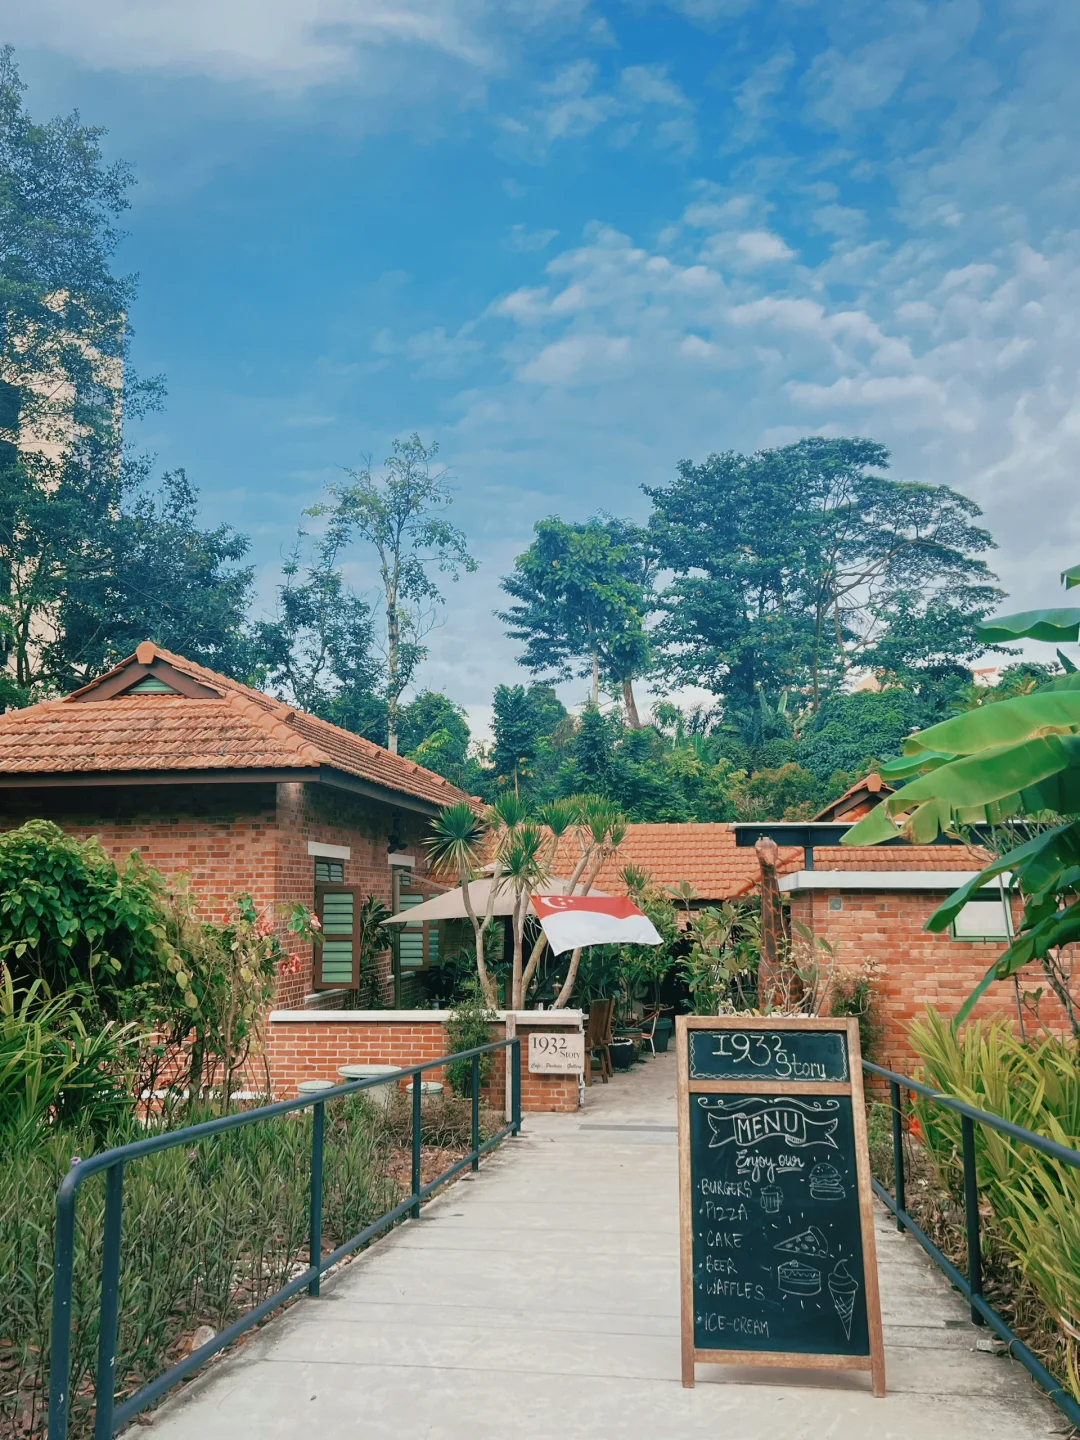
<point x="570" y="921"/>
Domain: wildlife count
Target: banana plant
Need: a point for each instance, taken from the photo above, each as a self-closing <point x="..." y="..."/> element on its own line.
<point x="993" y="766"/>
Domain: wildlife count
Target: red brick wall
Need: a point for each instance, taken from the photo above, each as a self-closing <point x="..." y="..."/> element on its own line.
<point x="914" y="969"/>
<point x="232" y="839"/>
<point x="314" y="1049"/>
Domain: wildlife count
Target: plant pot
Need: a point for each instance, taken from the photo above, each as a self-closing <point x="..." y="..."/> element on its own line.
<point x="662" y="1034"/>
<point x="622" y="1054"/>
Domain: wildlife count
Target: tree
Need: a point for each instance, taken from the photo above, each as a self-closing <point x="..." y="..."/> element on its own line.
<point x="400" y="517"/>
<point x="994" y="766"/>
<point x="523" y="720"/>
<point x="317" y="651"/>
<point x="435" y="733"/>
<point x="154" y="573"/>
<point x="787" y="562"/>
<point x="582" y="593"/>
<point x="851" y="730"/>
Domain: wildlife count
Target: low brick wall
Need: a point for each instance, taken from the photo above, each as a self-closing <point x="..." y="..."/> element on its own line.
<point x="313" y="1044"/>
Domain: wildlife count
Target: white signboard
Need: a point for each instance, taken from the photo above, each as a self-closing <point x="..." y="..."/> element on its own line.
<point x="557" y="1053"/>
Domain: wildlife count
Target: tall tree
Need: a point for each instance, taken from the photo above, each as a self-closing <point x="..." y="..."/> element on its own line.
<point x="788" y="564"/>
<point x="317" y="651"/>
<point x="582" y="594"/>
<point x="400" y="516"/>
<point x="150" y="571"/>
<point x="523" y="720"/>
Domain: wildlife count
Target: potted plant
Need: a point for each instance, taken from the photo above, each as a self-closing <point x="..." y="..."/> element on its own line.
<point x="665" y="1027"/>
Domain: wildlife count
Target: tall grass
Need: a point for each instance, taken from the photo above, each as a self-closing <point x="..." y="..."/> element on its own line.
<point x="1032" y="1200"/>
<point x="209" y="1232"/>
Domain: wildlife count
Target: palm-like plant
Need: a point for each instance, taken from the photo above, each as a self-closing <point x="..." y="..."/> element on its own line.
<point x="458" y="835"/>
<point x="992" y="766"/>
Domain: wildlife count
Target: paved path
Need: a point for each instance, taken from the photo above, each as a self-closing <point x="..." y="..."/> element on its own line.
<point x="539" y="1301"/>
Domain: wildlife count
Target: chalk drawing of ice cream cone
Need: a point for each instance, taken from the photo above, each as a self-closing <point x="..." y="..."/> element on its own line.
<point x="843" y="1288"/>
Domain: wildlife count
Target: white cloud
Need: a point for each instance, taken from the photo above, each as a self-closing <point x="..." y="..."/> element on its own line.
<point x="280" y="44"/>
<point x="761" y="247"/>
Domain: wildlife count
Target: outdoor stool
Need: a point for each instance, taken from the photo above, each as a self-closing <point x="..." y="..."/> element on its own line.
<point x="378" y="1094"/>
<point x="312" y="1087"/>
<point x="427" y="1087"/>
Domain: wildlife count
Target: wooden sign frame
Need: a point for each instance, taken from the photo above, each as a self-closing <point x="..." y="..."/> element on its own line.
<point x="853" y="1086"/>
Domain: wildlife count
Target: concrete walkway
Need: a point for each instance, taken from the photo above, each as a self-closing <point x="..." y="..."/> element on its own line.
<point x="540" y="1301"/>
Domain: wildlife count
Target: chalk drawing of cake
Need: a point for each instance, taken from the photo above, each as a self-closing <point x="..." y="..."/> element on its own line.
<point x="801" y="1275"/>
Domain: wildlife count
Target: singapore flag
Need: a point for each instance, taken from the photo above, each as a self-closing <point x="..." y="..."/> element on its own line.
<point x="572" y="920"/>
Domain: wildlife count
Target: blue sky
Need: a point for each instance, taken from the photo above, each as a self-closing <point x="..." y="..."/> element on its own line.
<point x="577" y="242"/>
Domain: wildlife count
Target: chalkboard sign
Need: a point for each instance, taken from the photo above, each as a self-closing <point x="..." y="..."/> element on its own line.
<point x="778" y="1258"/>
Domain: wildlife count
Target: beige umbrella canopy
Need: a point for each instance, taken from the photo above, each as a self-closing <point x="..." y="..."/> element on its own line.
<point x="451" y="904"/>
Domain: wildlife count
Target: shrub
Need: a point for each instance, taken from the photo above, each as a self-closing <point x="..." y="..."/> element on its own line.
<point x="69" y="916"/>
<point x="468" y="1026"/>
<point x="209" y="1232"/>
<point x="54" y="1070"/>
<point x="1034" y="1201"/>
<point x="852" y="994"/>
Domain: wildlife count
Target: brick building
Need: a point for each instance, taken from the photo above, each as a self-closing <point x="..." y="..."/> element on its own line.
<point x="872" y="902"/>
<point x="207" y="778"/>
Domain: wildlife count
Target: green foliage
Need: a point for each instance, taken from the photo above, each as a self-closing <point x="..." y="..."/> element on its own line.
<point x="467" y="1026"/>
<point x="57" y="1070"/>
<point x="582" y="592"/>
<point x="1034" y="1202"/>
<point x="209" y="1232"/>
<point x="401" y="517"/>
<point x="854" y="994"/>
<point x="71" y="917"/>
<point x="787" y="793"/>
<point x="721" y="964"/>
<point x="991" y="765"/>
<point x="850" y="731"/>
<point x="785" y="562"/>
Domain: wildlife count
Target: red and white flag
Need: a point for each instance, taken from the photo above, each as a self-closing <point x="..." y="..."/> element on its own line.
<point x="572" y="920"/>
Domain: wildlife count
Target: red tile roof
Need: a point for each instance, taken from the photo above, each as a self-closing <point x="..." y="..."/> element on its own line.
<point x="706" y="855"/>
<point x="236" y="728"/>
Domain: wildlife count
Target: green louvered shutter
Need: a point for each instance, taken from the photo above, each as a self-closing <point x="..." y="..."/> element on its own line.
<point x="337" y="959"/>
<point x="418" y="944"/>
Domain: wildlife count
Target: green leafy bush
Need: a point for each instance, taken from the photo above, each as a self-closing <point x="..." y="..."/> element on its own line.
<point x="71" y="917"/>
<point x="209" y="1232"/>
<point x="467" y="1026"/>
<point x="56" y="1070"/>
<point x="1034" y="1201"/>
<point x="852" y="994"/>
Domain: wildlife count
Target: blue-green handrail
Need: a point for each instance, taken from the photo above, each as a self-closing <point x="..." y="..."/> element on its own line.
<point x="109" y="1416"/>
<point x="971" y="1285"/>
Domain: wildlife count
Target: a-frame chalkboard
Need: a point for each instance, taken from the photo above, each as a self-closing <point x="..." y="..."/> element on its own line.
<point x="779" y="1266"/>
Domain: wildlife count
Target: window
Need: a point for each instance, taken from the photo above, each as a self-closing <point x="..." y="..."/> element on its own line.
<point x="418" y="940"/>
<point x="337" y="959"/>
<point x="986" y="917"/>
<point x="151" y="685"/>
<point x="329" y="872"/>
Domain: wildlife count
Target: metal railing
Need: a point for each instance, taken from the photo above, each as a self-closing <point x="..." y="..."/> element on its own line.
<point x="109" y="1416"/>
<point x="971" y="1285"/>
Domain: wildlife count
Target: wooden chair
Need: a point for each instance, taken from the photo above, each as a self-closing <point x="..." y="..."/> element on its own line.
<point x="598" y="1038"/>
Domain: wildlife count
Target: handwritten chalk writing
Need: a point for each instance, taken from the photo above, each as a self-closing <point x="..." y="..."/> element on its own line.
<point x="714" y="1324"/>
<point x="720" y="1265"/>
<point x="737" y="1189"/>
<point x="709" y="1210"/>
<point x="723" y="1239"/>
<point x="733" y="1054"/>
<point x="766" y="1167"/>
<point x="797" y="1124"/>
<point x="735" y="1289"/>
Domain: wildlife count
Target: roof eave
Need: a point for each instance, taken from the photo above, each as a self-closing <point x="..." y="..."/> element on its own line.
<point x="250" y="775"/>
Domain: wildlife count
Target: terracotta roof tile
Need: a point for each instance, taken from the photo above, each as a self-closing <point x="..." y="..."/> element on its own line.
<point x="239" y="728"/>
<point x="706" y="855"/>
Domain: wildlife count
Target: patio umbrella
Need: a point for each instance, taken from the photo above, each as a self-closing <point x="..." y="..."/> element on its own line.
<point x="451" y="904"/>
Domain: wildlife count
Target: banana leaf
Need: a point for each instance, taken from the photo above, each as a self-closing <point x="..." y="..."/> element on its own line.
<point x="1058" y="845"/>
<point x="872" y="829"/>
<point x="994" y="774"/>
<point x="1068" y="666"/>
<point x="907" y="765"/>
<point x="1071" y="576"/>
<point x="1001" y="724"/>
<point x="1062" y="624"/>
